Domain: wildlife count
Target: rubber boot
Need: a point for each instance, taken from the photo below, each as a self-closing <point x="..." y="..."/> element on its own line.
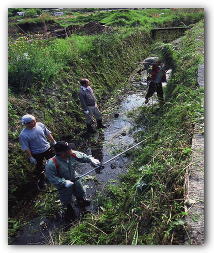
<point x="161" y="102"/>
<point x="90" y="129"/>
<point x="100" y="124"/>
<point x="41" y="182"/>
<point x="146" y="100"/>
<point x="70" y="213"/>
<point x="82" y="202"/>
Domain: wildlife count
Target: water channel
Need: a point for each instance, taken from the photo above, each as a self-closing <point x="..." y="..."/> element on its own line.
<point x="103" y="145"/>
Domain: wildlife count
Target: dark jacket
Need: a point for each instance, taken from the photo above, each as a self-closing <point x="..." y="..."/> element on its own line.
<point x="158" y="75"/>
<point x="87" y="97"/>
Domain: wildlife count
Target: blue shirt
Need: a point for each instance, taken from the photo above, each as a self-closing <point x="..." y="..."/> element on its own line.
<point x="35" y="139"/>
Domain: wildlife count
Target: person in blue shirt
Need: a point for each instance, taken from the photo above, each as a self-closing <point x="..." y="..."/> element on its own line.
<point x="35" y="141"/>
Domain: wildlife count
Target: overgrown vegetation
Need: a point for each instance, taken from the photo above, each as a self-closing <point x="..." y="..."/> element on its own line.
<point x="43" y="80"/>
<point x="147" y="206"/>
<point x="133" y="18"/>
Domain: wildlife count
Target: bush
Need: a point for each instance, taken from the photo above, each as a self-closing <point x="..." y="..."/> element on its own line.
<point x="30" y="64"/>
<point x="30" y="13"/>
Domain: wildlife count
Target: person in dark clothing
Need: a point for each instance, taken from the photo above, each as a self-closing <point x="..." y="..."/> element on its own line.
<point x="89" y="105"/>
<point x="157" y="76"/>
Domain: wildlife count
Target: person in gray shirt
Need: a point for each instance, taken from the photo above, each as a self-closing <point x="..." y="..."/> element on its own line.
<point x="34" y="142"/>
<point x="89" y="105"/>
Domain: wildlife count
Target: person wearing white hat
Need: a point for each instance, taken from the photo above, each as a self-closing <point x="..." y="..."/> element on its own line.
<point x="34" y="140"/>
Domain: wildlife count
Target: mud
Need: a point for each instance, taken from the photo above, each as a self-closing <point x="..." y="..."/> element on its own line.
<point x="117" y="137"/>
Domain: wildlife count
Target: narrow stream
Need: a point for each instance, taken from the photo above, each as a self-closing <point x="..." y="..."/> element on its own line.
<point x="117" y="137"/>
<point x="103" y="145"/>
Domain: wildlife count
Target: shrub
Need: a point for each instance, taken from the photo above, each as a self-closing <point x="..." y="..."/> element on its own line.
<point x="30" y="64"/>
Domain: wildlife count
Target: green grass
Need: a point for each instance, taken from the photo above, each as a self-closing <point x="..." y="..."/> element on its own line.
<point x="146" y="18"/>
<point x="147" y="207"/>
<point x="44" y="82"/>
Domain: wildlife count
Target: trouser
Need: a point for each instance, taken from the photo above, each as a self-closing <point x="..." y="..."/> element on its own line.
<point x="66" y="194"/>
<point x="93" y="112"/>
<point x="40" y="158"/>
<point x="155" y="87"/>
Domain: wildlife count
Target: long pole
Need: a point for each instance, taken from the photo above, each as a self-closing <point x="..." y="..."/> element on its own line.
<point x="83" y="175"/>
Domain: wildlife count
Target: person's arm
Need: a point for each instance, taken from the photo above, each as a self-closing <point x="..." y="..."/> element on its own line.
<point x="47" y="133"/>
<point x="51" y="139"/>
<point x="92" y="92"/>
<point x="25" y="147"/>
<point x="30" y="157"/>
<point x="83" y="158"/>
<point x="28" y="153"/>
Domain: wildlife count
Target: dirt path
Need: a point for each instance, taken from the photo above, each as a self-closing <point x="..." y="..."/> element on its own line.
<point x="195" y="182"/>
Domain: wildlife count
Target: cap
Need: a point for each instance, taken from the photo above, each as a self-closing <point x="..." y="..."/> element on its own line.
<point x="62" y="146"/>
<point x="151" y="60"/>
<point x="27" y="118"/>
<point x="84" y="81"/>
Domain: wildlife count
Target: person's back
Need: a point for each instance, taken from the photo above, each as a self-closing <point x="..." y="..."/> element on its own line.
<point x="157" y="74"/>
<point x="89" y="106"/>
<point x="87" y="96"/>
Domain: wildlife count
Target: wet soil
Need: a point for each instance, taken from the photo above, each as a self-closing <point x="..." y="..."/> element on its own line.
<point x="117" y="137"/>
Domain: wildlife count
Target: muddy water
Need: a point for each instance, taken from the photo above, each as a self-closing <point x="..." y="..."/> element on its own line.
<point x="117" y="137"/>
<point x="103" y="145"/>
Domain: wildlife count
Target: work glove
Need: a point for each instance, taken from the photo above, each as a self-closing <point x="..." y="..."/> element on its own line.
<point x="32" y="160"/>
<point x="94" y="162"/>
<point x="86" y="112"/>
<point x="68" y="183"/>
<point x="53" y="143"/>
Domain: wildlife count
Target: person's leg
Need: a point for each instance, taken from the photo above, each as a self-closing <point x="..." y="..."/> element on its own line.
<point x="150" y="92"/>
<point x="89" y="120"/>
<point x="40" y="163"/>
<point x="39" y="171"/>
<point x="98" y="117"/>
<point x="65" y="196"/>
<point x="70" y="213"/>
<point x="49" y="153"/>
<point x="40" y="167"/>
<point x="159" y="90"/>
<point x="80" y="195"/>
